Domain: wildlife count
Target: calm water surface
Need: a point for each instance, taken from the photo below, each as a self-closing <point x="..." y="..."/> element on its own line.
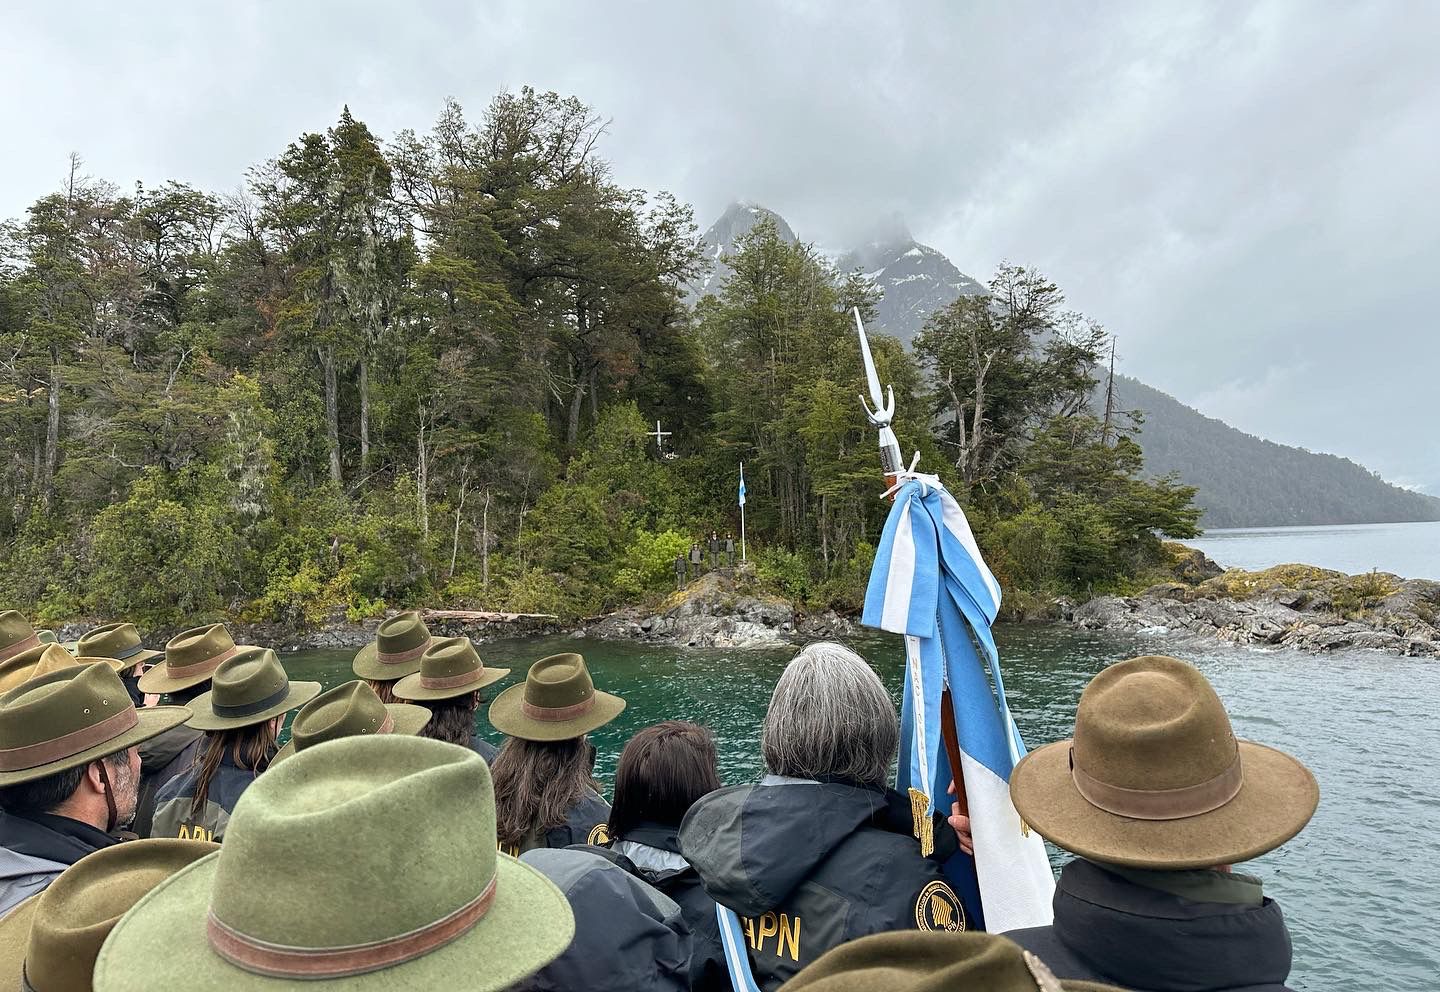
<point x="1360" y="886"/>
<point x="1408" y="550"/>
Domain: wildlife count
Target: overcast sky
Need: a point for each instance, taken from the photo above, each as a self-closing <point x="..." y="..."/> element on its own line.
<point x="1249" y="197"/>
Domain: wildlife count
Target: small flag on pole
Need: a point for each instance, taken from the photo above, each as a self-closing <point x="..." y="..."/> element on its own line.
<point x="742" y="483"/>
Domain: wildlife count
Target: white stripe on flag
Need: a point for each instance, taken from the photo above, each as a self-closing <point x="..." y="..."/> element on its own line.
<point x="896" y="615"/>
<point x="956" y="523"/>
<point x="1016" y="884"/>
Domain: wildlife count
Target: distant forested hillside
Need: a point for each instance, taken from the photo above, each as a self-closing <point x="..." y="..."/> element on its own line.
<point x="1245" y="481"/>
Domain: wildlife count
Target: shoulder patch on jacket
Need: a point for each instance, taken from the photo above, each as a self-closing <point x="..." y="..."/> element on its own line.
<point x="599" y="835"/>
<point x="937" y="908"/>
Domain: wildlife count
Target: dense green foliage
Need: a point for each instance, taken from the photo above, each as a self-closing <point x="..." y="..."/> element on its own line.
<point x="423" y="371"/>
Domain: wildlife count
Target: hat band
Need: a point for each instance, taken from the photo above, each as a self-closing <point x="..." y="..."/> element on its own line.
<point x="200" y="667"/>
<point x="1160" y="804"/>
<point x="250" y="709"/>
<point x="451" y="681"/>
<point x="121" y="655"/>
<point x="16" y="759"/>
<point x="556" y="714"/>
<point x="33" y="641"/>
<point x="281" y="961"/>
<point x="402" y="657"/>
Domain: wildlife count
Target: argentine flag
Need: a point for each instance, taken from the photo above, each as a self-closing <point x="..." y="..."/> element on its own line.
<point x="742" y="483"/>
<point x="930" y="583"/>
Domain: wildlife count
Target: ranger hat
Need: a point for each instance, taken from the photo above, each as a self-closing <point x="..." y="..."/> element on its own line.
<point x="120" y="641"/>
<point x="450" y="667"/>
<point x="350" y="710"/>
<point x="249" y="688"/>
<point x="933" y="962"/>
<point x="48" y="943"/>
<point x="16" y="635"/>
<point x="191" y="658"/>
<point x="395" y="652"/>
<point x="1154" y="777"/>
<point x="311" y="886"/>
<point x="39" y="661"/>
<point x="71" y="717"/>
<point x="557" y="701"/>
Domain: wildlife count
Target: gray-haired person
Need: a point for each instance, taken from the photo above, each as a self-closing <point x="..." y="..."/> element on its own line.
<point x="820" y="852"/>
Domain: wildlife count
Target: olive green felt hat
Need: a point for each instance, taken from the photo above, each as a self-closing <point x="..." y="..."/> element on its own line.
<point x="557" y="701"/>
<point x="120" y="641"/>
<point x="48" y="943"/>
<point x="70" y="718"/>
<point x="350" y="710"/>
<point x="450" y="667"/>
<point x="247" y="689"/>
<point x="39" y="661"/>
<point x="366" y="863"/>
<point x="191" y="658"/>
<point x="47" y="636"/>
<point x="395" y="652"/>
<point x="16" y="635"/>
<point x="911" y="961"/>
<point x="1154" y="777"/>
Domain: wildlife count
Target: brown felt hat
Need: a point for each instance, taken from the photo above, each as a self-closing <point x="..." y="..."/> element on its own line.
<point x="450" y="667"/>
<point x="361" y="863"/>
<point x="910" y="961"/>
<point x="120" y="641"/>
<point x="39" y="661"/>
<point x="395" y="652"/>
<point x="71" y="717"/>
<point x="249" y="688"/>
<point x="350" y="710"/>
<point x="16" y="635"/>
<point x="191" y="658"/>
<point x="557" y="701"/>
<point x="1154" y="777"/>
<point x="49" y="942"/>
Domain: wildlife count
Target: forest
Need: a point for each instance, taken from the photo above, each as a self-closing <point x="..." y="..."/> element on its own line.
<point x="423" y="370"/>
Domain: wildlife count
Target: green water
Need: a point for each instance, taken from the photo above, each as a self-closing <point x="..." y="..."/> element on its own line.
<point x="1360" y="888"/>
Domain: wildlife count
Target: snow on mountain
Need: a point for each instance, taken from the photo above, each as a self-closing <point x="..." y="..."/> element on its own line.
<point x="720" y="240"/>
<point x="916" y="281"/>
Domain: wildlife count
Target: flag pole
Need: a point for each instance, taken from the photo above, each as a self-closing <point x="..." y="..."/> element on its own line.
<point x="742" y="512"/>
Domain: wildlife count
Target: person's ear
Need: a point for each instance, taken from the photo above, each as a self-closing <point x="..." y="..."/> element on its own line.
<point x="95" y="777"/>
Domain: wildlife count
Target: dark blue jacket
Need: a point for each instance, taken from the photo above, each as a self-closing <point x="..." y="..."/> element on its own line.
<point x="1110" y="929"/>
<point x="173" y="814"/>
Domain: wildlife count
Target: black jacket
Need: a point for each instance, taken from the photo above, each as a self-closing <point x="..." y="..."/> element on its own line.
<point x="1110" y="929"/>
<point x="652" y="852"/>
<point x="35" y="849"/>
<point x="586" y="822"/>
<point x="809" y="866"/>
<point x="161" y="759"/>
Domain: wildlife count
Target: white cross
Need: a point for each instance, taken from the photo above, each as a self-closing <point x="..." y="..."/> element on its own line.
<point x="659" y="437"/>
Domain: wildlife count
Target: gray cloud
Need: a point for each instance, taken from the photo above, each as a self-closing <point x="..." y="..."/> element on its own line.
<point x="1246" y="196"/>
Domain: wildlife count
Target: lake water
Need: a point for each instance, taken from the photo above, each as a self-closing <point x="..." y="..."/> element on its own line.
<point x="1411" y="551"/>
<point x="1360" y="886"/>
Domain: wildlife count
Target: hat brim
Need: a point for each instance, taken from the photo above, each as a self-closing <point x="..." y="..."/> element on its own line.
<point x="410" y="688"/>
<point x="507" y="716"/>
<point x="409" y="721"/>
<point x="159" y="680"/>
<point x="154" y="721"/>
<point x="1278" y="797"/>
<point x="367" y="665"/>
<point x="14" y="941"/>
<point x="161" y="942"/>
<point x="205" y="717"/>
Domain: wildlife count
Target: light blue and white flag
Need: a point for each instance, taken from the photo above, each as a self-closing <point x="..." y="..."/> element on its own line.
<point x="930" y="583"/>
<point x="742" y="483"/>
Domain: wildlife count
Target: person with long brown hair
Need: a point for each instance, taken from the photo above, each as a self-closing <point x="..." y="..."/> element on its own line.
<point x="663" y="770"/>
<point x="545" y="791"/>
<point x="241" y="717"/>
<point x="449" y="682"/>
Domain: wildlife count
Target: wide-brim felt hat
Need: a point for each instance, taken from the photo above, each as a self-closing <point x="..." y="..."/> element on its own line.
<point x="191" y="657"/>
<point x="350" y="710"/>
<point x="248" y="689"/>
<point x="912" y="961"/>
<point x="120" y="641"/>
<point x="395" y="653"/>
<point x="49" y="942"/>
<point x="450" y="667"/>
<point x="557" y="701"/>
<point x="16" y="634"/>
<point x="308" y="889"/>
<point x="70" y="718"/>
<point x="39" y="661"/>
<point x="1155" y="778"/>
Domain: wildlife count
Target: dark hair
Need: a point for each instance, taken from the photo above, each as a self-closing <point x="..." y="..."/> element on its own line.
<point x="179" y="697"/>
<point x="536" y="783"/>
<point x="45" y="795"/>
<point x="385" y="689"/>
<point x="251" y="747"/>
<point x="452" y="720"/>
<point x="661" y="773"/>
